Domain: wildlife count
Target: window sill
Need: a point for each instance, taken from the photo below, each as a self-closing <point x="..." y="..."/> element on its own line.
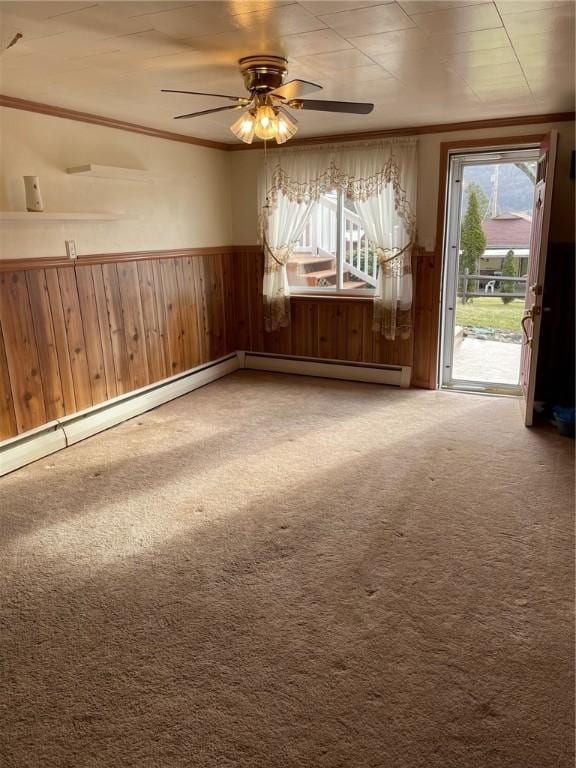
<point x="312" y="296"/>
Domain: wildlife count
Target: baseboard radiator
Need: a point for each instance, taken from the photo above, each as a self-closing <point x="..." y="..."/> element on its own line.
<point x="37" y="443"/>
<point x="55" y="435"/>
<point x="391" y="375"/>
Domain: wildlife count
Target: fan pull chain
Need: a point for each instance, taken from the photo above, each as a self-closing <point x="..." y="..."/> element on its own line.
<point x="267" y="201"/>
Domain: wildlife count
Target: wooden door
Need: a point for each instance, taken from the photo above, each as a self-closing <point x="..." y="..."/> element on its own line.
<point x="536" y="270"/>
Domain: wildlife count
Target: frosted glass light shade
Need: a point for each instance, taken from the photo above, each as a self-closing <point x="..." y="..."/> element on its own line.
<point x="285" y="128"/>
<point x="266" y="122"/>
<point x="244" y="127"/>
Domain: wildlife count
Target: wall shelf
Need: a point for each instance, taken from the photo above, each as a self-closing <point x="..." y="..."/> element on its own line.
<point x="110" y="172"/>
<point x="49" y="216"/>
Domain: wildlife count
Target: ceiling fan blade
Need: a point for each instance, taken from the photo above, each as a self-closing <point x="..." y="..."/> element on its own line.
<point x="350" y="107"/>
<point x="209" y="111"/>
<point x="239" y="99"/>
<point x="294" y="89"/>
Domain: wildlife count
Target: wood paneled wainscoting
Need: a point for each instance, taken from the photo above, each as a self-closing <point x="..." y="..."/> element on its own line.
<point x="426" y="319"/>
<point x="77" y="334"/>
<point x="326" y="327"/>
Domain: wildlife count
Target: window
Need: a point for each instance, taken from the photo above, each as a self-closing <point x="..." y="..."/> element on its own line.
<point x="333" y="253"/>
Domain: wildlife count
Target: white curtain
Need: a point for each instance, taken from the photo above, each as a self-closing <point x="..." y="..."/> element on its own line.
<point x="380" y="177"/>
<point x="389" y="222"/>
<point x="281" y="231"/>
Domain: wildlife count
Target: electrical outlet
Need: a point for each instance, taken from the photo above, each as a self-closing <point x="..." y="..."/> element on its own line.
<point x="71" y="248"/>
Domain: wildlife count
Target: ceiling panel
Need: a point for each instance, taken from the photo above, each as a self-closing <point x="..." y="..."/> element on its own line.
<point x="236" y="7"/>
<point x="365" y="21"/>
<point x="467" y="18"/>
<point x="506" y="97"/>
<point x="67" y="45"/>
<point x="357" y="75"/>
<point x="319" y="41"/>
<point x="286" y="20"/>
<point x="418" y="61"/>
<point x="495" y="74"/>
<point x="42" y="10"/>
<point x="328" y="63"/>
<point x="544" y="46"/>
<point x="412" y="7"/>
<point x="481" y="40"/>
<point x="31" y="28"/>
<point x="191" y="21"/>
<point x="403" y="66"/>
<point x="549" y="19"/>
<point x="412" y="39"/>
<point x="470" y="60"/>
<point x="522" y="6"/>
<point x="319" y="7"/>
<point x="381" y="91"/>
<point x="101" y="20"/>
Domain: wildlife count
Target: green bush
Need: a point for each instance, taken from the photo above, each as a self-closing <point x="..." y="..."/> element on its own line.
<point x="508" y="270"/>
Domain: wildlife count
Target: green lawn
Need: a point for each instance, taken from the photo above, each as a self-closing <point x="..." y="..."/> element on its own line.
<point x="487" y="312"/>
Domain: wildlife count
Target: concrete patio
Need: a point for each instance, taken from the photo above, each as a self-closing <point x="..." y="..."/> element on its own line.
<point x="494" y="362"/>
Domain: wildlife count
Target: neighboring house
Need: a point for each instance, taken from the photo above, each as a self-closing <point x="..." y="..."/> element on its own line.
<point x="505" y="232"/>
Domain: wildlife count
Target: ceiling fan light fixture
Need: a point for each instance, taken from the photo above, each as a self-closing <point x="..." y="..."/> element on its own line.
<point x="266" y="123"/>
<point x="244" y="127"/>
<point x="266" y="116"/>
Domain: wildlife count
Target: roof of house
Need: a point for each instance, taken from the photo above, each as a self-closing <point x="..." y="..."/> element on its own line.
<point x="507" y="230"/>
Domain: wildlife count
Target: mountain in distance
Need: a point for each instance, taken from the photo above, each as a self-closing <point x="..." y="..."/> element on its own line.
<point x="514" y="190"/>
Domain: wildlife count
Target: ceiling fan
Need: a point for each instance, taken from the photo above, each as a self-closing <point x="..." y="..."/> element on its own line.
<point x="267" y="116"/>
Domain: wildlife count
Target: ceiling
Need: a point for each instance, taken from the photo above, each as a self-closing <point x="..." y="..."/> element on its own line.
<point x="419" y="61"/>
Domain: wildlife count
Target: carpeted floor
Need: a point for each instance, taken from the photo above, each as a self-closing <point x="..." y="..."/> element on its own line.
<point x="282" y="572"/>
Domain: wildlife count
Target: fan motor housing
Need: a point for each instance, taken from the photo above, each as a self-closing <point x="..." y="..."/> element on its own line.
<point x="263" y="73"/>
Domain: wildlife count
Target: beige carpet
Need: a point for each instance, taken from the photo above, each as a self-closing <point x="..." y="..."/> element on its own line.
<point x="281" y="572"/>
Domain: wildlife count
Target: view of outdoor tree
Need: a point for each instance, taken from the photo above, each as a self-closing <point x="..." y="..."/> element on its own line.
<point x="472" y="244"/>
<point x="483" y="201"/>
<point x="508" y="270"/>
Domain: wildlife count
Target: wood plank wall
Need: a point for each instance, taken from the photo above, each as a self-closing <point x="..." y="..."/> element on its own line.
<point x="73" y="336"/>
<point x="324" y="327"/>
<point x="426" y="320"/>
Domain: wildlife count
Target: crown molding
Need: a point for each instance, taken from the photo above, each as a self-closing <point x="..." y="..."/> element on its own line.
<point x="107" y="122"/>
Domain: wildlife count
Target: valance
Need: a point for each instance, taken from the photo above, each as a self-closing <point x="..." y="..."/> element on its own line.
<point x="358" y="170"/>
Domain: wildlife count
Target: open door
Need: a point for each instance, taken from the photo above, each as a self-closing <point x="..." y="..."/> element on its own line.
<point x="536" y="270"/>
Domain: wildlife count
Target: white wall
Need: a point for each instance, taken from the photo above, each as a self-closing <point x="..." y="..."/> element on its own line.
<point x="202" y="197"/>
<point x="188" y="205"/>
<point x="245" y="166"/>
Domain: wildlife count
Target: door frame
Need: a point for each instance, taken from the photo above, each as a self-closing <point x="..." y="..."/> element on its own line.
<point x="434" y="265"/>
<point x="458" y="160"/>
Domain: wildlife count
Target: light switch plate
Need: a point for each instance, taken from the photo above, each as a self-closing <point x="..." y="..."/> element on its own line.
<point x="71" y="249"/>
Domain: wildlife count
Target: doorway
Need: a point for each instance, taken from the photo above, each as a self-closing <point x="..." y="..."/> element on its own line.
<point x="486" y="267"/>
